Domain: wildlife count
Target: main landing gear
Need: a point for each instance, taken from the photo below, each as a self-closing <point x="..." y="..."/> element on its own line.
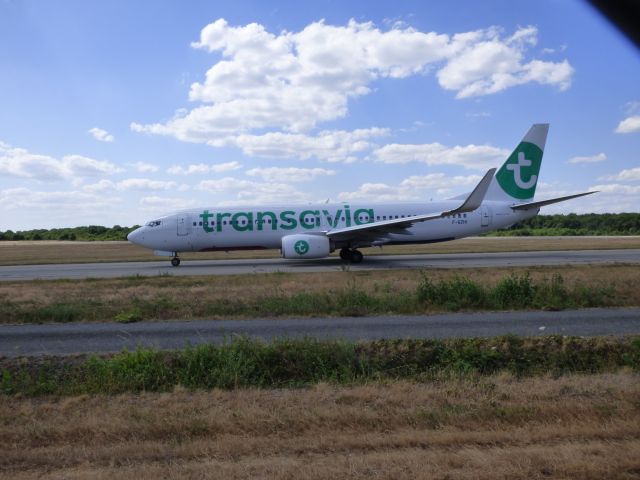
<point x="351" y="255"/>
<point x="175" y="261"/>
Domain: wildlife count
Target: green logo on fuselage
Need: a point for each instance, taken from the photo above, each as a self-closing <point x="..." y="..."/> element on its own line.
<point x="285" y="220"/>
<point x="519" y="174"/>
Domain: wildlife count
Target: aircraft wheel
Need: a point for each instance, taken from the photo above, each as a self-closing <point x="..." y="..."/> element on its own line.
<point x="175" y="261"/>
<point x="345" y="254"/>
<point x="356" y="256"/>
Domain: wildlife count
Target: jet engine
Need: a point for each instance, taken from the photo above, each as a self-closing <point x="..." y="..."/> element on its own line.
<point x="305" y="246"/>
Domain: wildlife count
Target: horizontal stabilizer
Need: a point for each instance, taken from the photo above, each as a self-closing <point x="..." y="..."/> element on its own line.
<point x="531" y="205"/>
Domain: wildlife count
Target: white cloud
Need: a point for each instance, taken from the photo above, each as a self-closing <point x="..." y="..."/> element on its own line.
<point x="611" y="198"/>
<point x="80" y="166"/>
<point x="101" y="186"/>
<point x="331" y="146"/>
<point x="247" y="191"/>
<point x="202" y="168"/>
<point x="632" y="106"/>
<point x="439" y="181"/>
<point x="157" y="204"/>
<point x="608" y="199"/>
<point x="601" y="157"/>
<point x="144" y="167"/>
<point x="469" y="156"/>
<point x="141" y="184"/>
<point x="19" y="162"/>
<point x="378" y="192"/>
<point x="618" y="189"/>
<point x="549" y="51"/>
<point x="483" y="63"/>
<point x="626" y="175"/>
<point x="629" y="125"/>
<point x="26" y="209"/>
<point x="101" y="135"/>
<point x="416" y="187"/>
<point x="476" y="115"/>
<point x="290" y="174"/>
<point x="21" y="198"/>
<point x="288" y="83"/>
<point x="133" y="184"/>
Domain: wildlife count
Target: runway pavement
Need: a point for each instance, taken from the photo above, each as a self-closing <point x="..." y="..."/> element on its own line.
<point x="378" y="262"/>
<point x="64" y="339"/>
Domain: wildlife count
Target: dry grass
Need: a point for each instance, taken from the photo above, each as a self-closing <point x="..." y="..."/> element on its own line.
<point x="45" y="252"/>
<point x="180" y="296"/>
<point x="585" y="427"/>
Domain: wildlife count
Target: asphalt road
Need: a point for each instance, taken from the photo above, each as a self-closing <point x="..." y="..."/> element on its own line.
<point x="378" y="262"/>
<point x="64" y="339"/>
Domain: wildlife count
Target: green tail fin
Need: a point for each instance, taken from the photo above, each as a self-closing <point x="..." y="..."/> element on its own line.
<point x="517" y="178"/>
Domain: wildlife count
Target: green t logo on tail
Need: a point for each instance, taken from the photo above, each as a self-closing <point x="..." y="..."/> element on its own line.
<point x="301" y="247"/>
<point x="519" y="174"/>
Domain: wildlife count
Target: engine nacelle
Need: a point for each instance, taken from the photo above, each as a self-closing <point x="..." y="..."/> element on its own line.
<point x="305" y="246"/>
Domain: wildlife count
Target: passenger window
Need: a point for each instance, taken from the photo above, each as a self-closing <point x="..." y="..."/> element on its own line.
<point x="194" y="224"/>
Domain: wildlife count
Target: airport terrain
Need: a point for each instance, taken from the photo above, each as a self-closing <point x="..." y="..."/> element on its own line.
<point x="580" y="421"/>
<point x="489" y="427"/>
<point x="335" y="293"/>
<point x="100" y="338"/>
<point x="50" y="252"/>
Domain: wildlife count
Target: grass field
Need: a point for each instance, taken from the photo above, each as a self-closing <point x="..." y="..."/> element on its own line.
<point x="46" y="252"/>
<point x="495" y="427"/>
<point x="312" y="294"/>
<point x="451" y="426"/>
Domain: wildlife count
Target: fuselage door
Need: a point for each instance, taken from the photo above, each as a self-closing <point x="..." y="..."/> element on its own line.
<point x="485" y="216"/>
<point x="184" y="224"/>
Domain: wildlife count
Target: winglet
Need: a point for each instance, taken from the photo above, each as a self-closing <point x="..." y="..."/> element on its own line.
<point x="475" y="198"/>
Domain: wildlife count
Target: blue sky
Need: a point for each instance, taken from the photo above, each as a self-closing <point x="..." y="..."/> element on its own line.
<point x="114" y="112"/>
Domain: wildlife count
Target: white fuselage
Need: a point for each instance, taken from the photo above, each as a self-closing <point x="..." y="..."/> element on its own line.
<point x="247" y="228"/>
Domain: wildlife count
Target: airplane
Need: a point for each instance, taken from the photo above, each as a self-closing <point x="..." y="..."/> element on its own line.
<point x="315" y="231"/>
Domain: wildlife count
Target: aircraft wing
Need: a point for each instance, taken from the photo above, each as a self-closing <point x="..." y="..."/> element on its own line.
<point x="530" y="205"/>
<point x="400" y="225"/>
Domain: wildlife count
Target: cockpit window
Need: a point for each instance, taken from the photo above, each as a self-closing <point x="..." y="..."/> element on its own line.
<point x="154" y="223"/>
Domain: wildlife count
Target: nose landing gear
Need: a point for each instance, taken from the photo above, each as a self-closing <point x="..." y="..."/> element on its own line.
<point x="351" y="255"/>
<point x="175" y="261"/>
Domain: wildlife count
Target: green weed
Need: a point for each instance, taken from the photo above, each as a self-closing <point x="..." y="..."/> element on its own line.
<point x="244" y="363"/>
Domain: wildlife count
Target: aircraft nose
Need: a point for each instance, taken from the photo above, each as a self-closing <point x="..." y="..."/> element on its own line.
<point x="136" y="236"/>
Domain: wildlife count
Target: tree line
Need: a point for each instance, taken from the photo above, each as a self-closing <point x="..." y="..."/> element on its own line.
<point x="88" y="233"/>
<point x="540" y="225"/>
<point x="574" y="224"/>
